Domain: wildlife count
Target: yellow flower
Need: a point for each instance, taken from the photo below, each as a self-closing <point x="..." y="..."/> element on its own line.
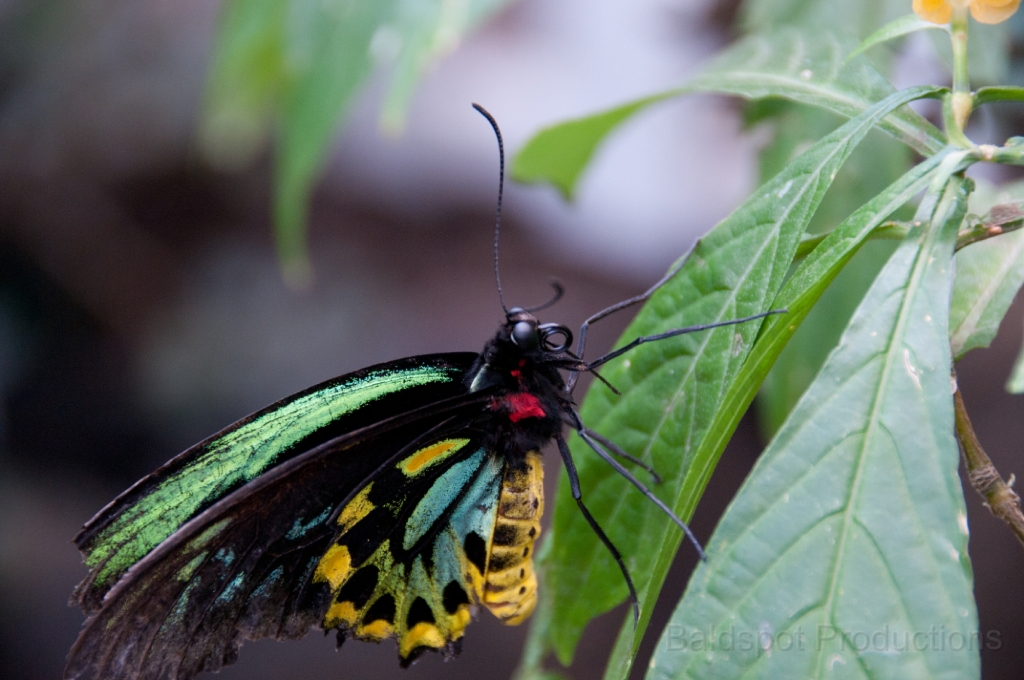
<point x="985" y="11"/>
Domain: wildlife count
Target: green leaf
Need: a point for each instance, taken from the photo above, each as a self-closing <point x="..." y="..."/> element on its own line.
<point x="559" y="154"/>
<point x="810" y="68"/>
<point x="299" y="65"/>
<point x="852" y="527"/>
<point x="1015" y="383"/>
<point x="326" y="57"/>
<point x="987" y="95"/>
<point x="786" y="63"/>
<point x="875" y="164"/>
<point x="812" y="281"/>
<point x="672" y="389"/>
<point x="799" y="295"/>
<point x="423" y="31"/>
<point x="245" y="79"/>
<point x="897" y="28"/>
<point x="988" y="276"/>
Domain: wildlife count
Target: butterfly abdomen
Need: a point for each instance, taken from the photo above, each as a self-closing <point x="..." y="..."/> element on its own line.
<point x="510" y="584"/>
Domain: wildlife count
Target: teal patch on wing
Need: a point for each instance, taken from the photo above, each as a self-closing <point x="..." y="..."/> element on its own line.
<point x="237" y="457"/>
<point x="232" y="589"/>
<point x="442" y="494"/>
<point x="475" y="514"/>
<point x="300" y="528"/>
<point x="420" y="597"/>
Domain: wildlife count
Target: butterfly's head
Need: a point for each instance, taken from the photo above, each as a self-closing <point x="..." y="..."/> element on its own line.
<point x="528" y="334"/>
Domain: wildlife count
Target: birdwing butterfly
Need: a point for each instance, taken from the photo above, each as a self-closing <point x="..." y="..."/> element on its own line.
<point x="385" y="503"/>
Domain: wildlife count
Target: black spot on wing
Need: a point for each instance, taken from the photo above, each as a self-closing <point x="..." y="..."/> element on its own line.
<point x="476" y="550"/>
<point x="383" y="608"/>
<point x="359" y="587"/>
<point x="453" y="597"/>
<point x="419" y="612"/>
<point x="365" y="537"/>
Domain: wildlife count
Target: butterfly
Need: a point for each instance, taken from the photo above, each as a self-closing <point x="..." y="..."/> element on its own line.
<point x="386" y="503"/>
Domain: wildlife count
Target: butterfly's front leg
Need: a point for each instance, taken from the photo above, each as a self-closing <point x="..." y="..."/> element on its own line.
<point x="582" y="342"/>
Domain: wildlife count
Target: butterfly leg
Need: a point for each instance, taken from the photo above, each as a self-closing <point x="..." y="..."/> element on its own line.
<point x="600" y="361"/>
<point x="574" y="485"/>
<point x="585" y="435"/>
<point x="615" y="450"/>
<point x="582" y="342"/>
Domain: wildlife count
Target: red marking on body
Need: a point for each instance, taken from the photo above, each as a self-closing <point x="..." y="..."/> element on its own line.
<point x="523" y="405"/>
<point x="516" y="374"/>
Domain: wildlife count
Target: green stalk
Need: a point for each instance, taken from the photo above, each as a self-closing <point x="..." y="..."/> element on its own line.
<point x="961" y="101"/>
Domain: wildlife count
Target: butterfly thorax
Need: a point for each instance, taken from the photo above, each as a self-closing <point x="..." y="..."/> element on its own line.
<point x="529" y="399"/>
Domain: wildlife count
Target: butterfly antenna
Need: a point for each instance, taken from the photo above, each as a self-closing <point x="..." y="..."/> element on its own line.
<point x="501" y="190"/>
<point x="559" y="292"/>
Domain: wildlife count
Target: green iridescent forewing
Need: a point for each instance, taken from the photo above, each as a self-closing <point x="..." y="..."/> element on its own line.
<point x="262" y="562"/>
<point x="157" y="506"/>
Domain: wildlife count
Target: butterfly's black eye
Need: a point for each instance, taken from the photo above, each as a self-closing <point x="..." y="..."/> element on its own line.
<point x="550" y="332"/>
<point x="525" y="335"/>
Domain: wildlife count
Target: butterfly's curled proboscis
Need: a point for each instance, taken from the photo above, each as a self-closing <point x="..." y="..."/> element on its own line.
<point x="386" y="503"/>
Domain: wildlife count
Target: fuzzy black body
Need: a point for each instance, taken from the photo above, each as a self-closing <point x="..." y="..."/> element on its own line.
<point x="529" y="400"/>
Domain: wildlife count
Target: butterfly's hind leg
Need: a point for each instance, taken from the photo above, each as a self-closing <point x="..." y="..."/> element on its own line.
<point x="595" y="441"/>
<point x="614" y="449"/>
<point x="574" y="485"/>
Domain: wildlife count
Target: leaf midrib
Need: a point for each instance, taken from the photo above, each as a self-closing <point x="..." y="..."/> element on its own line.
<point x="874" y="422"/>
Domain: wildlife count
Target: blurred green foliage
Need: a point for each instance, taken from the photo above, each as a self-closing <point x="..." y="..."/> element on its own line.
<point x="291" y="70"/>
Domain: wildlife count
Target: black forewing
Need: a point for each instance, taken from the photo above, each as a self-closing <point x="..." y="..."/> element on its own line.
<point x="137" y="521"/>
<point x="242" y="568"/>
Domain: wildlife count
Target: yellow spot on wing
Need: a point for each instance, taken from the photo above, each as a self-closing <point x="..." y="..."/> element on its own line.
<point x="341" y="614"/>
<point x="358" y="508"/>
<point x="422" y="635"/>
<point x="429" y="454"/>
<point x="334" y="567"/>
<point x="460" y="619"/>
<point x="378" y="630"/>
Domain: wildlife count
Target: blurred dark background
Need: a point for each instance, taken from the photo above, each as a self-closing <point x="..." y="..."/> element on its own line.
<point x="141" y="307"/>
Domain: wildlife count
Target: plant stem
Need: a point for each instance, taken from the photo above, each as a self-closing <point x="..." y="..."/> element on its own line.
<point x="961" y="100"/>
<point x="999" y="497"/>
<point x="979" y="231"/>
<point x="886" y="231"/>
